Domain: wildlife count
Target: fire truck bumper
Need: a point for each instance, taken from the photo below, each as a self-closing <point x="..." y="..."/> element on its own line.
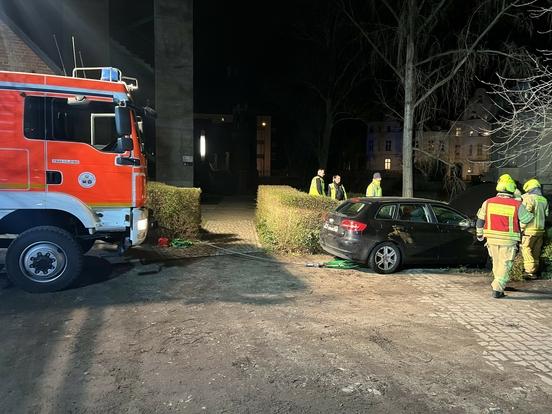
<point x="139" y="229"/>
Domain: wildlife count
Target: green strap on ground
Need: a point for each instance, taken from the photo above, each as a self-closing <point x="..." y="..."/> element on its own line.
<point x="341" y="264"/>
<point x="179" y="243"/>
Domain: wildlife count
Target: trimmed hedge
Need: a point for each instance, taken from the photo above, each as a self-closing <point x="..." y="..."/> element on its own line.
<point x="289" y="220"/>
<point x="176" y="210"/>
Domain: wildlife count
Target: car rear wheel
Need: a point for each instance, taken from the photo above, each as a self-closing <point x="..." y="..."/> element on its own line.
<point x="386" y="258"/>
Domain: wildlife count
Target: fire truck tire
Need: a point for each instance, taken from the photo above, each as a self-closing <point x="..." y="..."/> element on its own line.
<point x="44" y="259"/>
<point x="86" y="245"/>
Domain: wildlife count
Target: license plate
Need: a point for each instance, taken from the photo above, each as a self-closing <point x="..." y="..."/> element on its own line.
<point x="331" y="227"/>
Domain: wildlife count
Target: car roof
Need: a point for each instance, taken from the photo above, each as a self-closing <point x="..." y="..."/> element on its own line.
<point x="398" y="200"/>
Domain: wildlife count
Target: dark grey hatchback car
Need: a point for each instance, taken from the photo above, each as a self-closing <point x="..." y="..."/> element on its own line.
<point x="388" y="232"/>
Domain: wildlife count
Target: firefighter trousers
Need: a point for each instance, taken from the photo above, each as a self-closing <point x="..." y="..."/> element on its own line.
<point x="503" y="259"/>
<point x="531" y="246"/>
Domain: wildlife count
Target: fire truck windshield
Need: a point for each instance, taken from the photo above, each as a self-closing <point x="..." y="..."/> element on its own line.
<point x="60" y="119"/>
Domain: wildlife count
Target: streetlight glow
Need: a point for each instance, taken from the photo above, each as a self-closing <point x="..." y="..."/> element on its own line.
<point x="202" y="145"/>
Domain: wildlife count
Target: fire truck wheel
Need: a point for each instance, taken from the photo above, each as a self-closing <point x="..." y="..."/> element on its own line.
<point x="44" y="259"/>
<point x="86" y="245"/>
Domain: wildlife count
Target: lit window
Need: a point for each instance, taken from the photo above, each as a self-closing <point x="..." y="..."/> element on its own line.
<point x="458" y="132"/>
<point x="263" y="124"/>
<point x="388" y="145"/>
<point x="387" y="163"/>
<point x="471" y="132"/>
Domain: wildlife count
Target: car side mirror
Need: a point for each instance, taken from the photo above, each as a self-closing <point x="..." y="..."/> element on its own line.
<point x="125" y="144"/>
<point x="466" y="223"/>
<point x="122" y="121"/>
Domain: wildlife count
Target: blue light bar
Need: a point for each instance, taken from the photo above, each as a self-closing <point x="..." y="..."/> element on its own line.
<point x="110" y="75"/>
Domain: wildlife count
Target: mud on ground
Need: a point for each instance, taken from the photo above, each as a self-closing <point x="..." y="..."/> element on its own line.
<point x="229" y="334"/>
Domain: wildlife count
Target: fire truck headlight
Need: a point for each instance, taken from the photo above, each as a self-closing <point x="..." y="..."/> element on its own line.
<point x="142" y="224"/>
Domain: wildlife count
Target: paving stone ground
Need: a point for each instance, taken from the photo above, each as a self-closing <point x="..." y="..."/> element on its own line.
<point x="512" y="330"/>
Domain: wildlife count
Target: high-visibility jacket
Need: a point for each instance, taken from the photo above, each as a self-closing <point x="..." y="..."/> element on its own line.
<point x="317" y="186"/>
<point x="538" y="205"/>
<point x="333" y="191"/>
<point x="499" y="219"/>
<point x="374" y="189"/>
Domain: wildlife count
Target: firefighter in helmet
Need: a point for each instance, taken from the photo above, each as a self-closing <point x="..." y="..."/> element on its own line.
<point x="506" y="178"/>
<point x="533" y="232"/>
<point x="498" y="221"/>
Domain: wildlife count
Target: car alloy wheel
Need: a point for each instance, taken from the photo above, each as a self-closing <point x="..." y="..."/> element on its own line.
<point x="385" y="258"/>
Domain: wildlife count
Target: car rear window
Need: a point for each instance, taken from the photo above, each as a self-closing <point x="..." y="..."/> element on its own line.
<point x="351" y="209"/>
<point x="386" y="212"/>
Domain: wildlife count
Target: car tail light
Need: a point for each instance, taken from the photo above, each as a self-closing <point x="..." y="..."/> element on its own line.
<point x="352" y="225"/>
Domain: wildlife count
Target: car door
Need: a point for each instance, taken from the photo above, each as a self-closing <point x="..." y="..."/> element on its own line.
<point x="417" y="233"/>
<point x="459" y="243"/>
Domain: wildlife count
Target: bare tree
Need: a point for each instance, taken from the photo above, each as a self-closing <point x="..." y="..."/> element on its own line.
<point x="333" y="67"/>
<point x="430" y="68"/>
<point x="523" y="133"/>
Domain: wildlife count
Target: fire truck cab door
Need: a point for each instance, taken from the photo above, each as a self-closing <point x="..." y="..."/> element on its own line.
<point x="82" y="153"/>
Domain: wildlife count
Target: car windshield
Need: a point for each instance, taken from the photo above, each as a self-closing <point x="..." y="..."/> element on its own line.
<point x="351" y="209"/>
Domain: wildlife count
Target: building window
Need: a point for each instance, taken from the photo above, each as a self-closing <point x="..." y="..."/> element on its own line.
<point x="371" y="145"/>
<point x="471" y="132"/>
<point x="416" y="144"/>
<point x="457" y="150"/>
<point x="470" y="151"/>
<point x="431" y="145"/>
<point x="387" y="145"/>
<point x="388" y="163"/>
<point x="480" y="149"/>
<point x="441" y="146"/>
<point x="458" y="132"/>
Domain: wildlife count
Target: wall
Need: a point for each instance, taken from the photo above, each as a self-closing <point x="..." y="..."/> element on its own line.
<point x="16" y="55"/>
<point x="174" y="91"/>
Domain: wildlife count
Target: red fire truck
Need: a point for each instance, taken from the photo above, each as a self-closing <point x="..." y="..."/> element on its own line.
<point x="72" y="171"/>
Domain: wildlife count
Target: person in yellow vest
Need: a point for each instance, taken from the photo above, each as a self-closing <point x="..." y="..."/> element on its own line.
<point x="317" y="185"/>
<point x="336" y="190"/>
<point x="533" y="232"/>
<point x="374" y="188"/>
<point x="498" y="221"/>
<point x="506" y="178"/>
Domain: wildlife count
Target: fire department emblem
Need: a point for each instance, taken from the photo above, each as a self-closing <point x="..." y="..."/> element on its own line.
<point x="87" y="180"/>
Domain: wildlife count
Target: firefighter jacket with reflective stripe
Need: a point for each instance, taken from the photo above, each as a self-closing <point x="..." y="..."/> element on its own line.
<point x="538" y="205"/>
<point x="374" y="189"/>
<point x="317" y="186"/>
<point x="499" y="219"/>
<point x="337" y="192"/>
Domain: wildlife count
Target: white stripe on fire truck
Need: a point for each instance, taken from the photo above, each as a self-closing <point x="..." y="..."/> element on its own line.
<point x="120" y="96"/>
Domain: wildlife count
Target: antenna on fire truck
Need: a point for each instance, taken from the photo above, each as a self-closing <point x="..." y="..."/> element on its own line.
<point x="59" y="54"/>
<point x="74" y="52"/>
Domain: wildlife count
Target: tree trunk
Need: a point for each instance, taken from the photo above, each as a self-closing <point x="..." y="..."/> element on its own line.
<point x="409" y="93"/>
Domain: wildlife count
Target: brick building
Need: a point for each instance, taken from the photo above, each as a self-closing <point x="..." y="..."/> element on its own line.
<point x="18" y="53"/>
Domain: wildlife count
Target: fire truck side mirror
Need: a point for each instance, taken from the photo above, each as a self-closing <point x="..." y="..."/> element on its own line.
<point x="122" y="121"/>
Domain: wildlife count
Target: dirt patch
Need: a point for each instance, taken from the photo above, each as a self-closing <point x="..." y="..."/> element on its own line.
<point x="230" y="334"/>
